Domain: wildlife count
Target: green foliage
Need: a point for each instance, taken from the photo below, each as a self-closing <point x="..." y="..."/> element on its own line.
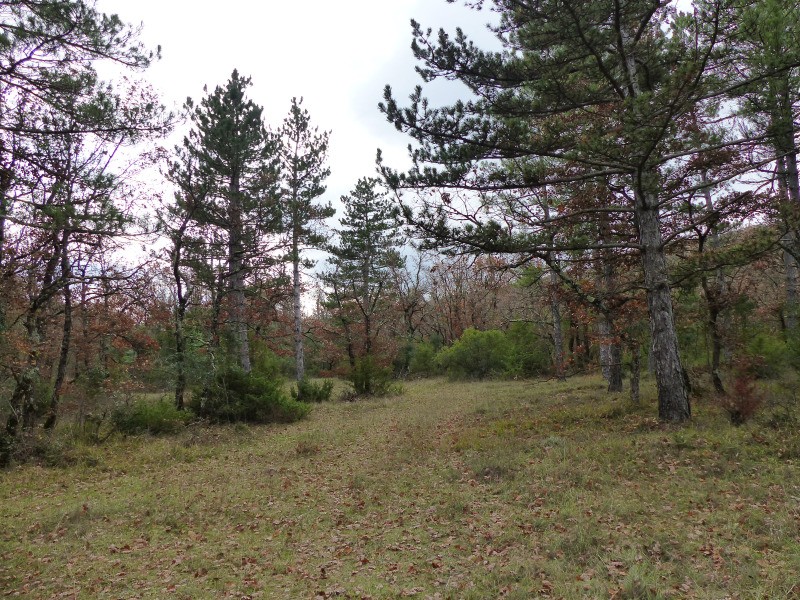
<point x="303" y="156"/>
<point x="530" y="354"/>
<point x="370" y="379"/>
<point x="477" y="355"/>
<point x="770" y="354"/>
<point x="145" y="416"/>
<point x="360" y="266"/>
<point x="268" y="364"/>
<point x="518" y="352"/>
<point x="423" y="360"/>
<point x="236" y="396"/>
<point x="311" y="391"/>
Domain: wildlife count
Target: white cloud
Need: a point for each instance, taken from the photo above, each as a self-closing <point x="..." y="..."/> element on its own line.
<point x="337" y="55"/>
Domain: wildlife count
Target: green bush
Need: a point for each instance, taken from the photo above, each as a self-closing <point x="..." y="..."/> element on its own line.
<point x="370" y="379"/>
<point x="477" y="355"/>
<point x="269" y="365"/>
<point x="423" y="360"/>
<point x="530" y="353"/>
<point x="235" y="396"/>
<point x="310" y="391"/>
<point x="149" y="417"/>
<point x="770" y="355"/>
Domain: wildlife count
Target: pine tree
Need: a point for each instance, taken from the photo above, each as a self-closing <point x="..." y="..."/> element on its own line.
<point x="602" y="90"/>
<point x="304" y="155"/>
<point x="767" y="48"/>
<point x="229" y="161"/>
<point x="360" y="273"/>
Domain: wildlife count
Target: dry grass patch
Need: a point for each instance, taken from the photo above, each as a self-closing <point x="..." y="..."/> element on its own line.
<point x="497" y="489"/>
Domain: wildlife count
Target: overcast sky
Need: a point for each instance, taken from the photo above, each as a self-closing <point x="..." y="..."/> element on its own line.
<point x="338" y="55"/>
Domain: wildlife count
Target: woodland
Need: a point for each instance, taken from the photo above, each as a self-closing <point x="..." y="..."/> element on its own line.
<point x="584" y="289"/>
<point x="618" y="191"/>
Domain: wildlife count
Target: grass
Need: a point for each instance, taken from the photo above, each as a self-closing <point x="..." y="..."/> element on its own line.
<point x="497" y="489"/>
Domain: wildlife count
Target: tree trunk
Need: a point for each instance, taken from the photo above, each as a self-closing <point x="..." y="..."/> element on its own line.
<point x="298" y="311"/>
<point x="84" y="347"/>
<point x="612" y="341"/>
<point x="66" y="336"/>
<point x="789" y="181"/>
<point x="105" y="337"/>
<point x="6" y="176"/>
<point x="216" y="312"/>
<point x="180" y="361"/>
<point x="604" y="331"/>
<point x="236" y="270"/>
<point x="714" y="293"/>
<point x="558" y="334"/>
<point x="3" y="212"/>
<point x="615" y="368"/>
<point x="673" y="395"/>
<point x="22" y="406"/>
<point x="636" y="369"/>
<point x="181" y="302"/>
<point x="792" y="280"/>
<point x="21" y="415"/>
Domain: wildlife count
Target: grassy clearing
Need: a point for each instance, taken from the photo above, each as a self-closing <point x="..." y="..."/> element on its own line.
<point x="502" y="489"/>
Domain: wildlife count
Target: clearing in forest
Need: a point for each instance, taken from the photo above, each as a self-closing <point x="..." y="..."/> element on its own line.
<point x="479" y="490"/>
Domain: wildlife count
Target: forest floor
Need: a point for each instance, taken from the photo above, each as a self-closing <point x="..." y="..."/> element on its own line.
<point x="452" y="490"/>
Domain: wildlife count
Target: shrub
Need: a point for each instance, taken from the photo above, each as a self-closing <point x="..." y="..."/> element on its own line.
<point x="269" y="365"/>
<point x="769" y="355"/>
<point x="369" y="378"/>
<point x="235" y="396"/>
<point x="743" y="400"/>
<point x="401" y="364"/>
<point x="530" y="353"/>
<point x="310" y="391"/>
<point x="45" y="448"/>
<point x="423" y="360"/>
<point x="149" y="417"/>
<point x="477" y="355"/>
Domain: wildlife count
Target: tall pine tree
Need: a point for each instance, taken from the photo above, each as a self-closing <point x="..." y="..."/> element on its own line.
<point x="229" y="161"/>
<point x="303" y="154"/>
<point x="767" y="48"/>
<point x="603" y="90"/>
<point x="360" y="273"/>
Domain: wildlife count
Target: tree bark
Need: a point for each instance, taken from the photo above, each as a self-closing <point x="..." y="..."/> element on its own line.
<point x="181" y="302"/>
<point x="636" y="369"/>
<point x="792" y="280"/>
<point x="673" y="395"/>
<point x="180" y="360"/>
<point x="789" y="187"/>
<point x="604" y="331"/>
<point x="298" y="312"/>
<point x="613" y="342"/>
<point x="66" y="336"/>
<point x="615" y="368"/>
<point x="783" y="124"/>
<point x="558" y="336"/>
<point x="714" y="292"/>
<point x="236" y="270"/>
<point x="6" y="180"/>
<point x="4" y="186"/>
<point x="555" y="311"/>
<point x="22" y="399"/>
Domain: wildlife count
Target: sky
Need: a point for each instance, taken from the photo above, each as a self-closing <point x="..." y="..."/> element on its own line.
<point x="337" y="55"/>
